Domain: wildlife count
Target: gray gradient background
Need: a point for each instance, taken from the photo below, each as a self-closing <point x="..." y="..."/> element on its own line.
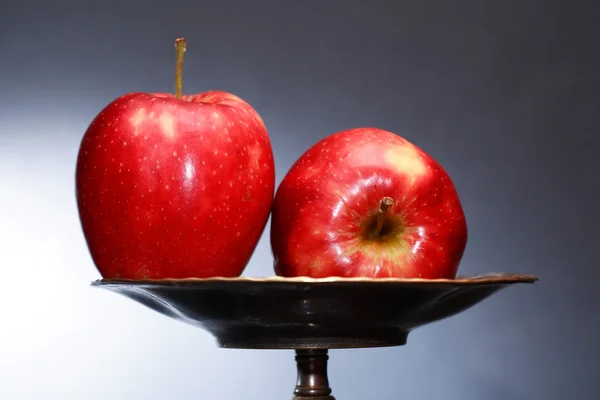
<point x="502" y="93"/>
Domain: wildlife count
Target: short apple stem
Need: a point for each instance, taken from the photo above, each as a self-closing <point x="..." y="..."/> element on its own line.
<point x="180" y="51"/>
<point x="384" y="205"/>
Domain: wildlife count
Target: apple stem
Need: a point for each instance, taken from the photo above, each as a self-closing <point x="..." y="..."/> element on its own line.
<point x="180" y="51"/>
<point x="384" y="205"/>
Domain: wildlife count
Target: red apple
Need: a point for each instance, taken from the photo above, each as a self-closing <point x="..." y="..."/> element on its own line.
<point x="367" y="203"/>
<point x="172" y="186"/>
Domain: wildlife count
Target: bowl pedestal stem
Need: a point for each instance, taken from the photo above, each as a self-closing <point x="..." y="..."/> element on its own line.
<point x="312" y="382"/>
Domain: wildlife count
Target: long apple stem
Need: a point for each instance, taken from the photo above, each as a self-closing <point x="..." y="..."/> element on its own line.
<point x="384" y="205"/>
<point x="180" y="51"/>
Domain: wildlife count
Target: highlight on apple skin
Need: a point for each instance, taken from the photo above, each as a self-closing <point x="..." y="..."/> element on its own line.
<point x="174" y="186"/>
<point x="366" y="202"/>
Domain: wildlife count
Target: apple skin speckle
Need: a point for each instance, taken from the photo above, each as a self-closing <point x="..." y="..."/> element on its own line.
<point x="326" y="207"/>
<point x="152" y="185"/>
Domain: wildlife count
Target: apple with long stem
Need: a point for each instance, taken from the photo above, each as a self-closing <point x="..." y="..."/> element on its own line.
<point x="174" y="186"/>
<point x="366" y="202"/>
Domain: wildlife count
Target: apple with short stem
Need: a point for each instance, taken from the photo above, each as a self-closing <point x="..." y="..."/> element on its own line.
<point x="174" y="186"/>
<point x="366" y="202"/>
